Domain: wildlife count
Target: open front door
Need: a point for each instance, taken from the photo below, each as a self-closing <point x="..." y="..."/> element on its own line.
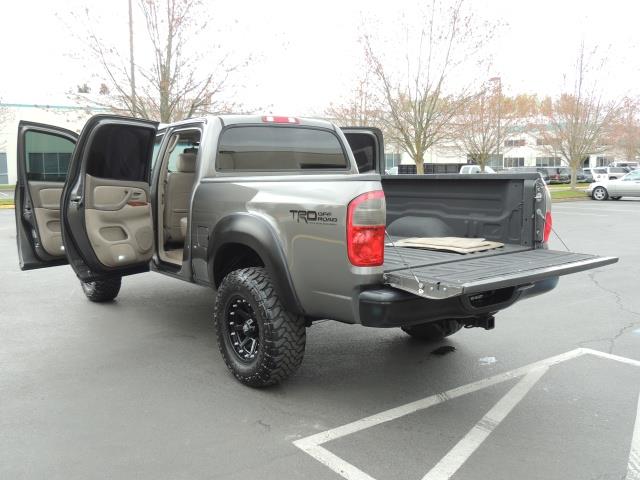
<point x="43" y="154"/>
<point x="107" y="224"/>
<point x="367" y="146"/>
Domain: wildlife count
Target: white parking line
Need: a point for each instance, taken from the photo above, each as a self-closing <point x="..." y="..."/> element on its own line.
<point x="456" y="457"/>
<point x="452" y="461"/>
<point x="633" y="468"/>
<point x="583" y="214"/>
<point x="557" y="208"/>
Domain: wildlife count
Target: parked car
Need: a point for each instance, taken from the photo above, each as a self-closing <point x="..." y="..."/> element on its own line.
<point x="586" y="175"/>
<point x="558" y="174"/>
<point x="476" y="169"/>
<point x="285" y="226"/>
<point x="599" y="174"/>
<point x="627" y="186"/>
<point x="628" y="165"/>
<point x="539" y="170"/>
<point x="582" y="177"/>
<point x="613" y="173"/>
<point x="392" y="171"/>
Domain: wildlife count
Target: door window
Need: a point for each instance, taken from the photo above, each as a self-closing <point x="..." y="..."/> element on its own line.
<point x="184" y="141"/>
<point x="4" y="173"/>
<point x="121" y="152"/>
<point x="47" y="156"/>
<point x="157" y="143"/>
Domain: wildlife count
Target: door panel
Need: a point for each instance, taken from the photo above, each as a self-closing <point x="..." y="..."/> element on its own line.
<point x="118" y="220"/>
<point x="46" y="205"/>
<point x="43" y="157"/>
<point x="106" y="216"/>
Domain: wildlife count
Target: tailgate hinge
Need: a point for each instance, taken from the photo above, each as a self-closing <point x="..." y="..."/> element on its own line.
<point x="432" y="290"/>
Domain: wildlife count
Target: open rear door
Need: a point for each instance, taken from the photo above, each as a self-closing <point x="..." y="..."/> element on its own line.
<point x="43" y="154"/>
<point x="367" y="146"/>
<point x="107" y="224"/>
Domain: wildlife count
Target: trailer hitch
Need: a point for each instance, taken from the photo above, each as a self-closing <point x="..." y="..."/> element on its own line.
<point x="488" y="322"/>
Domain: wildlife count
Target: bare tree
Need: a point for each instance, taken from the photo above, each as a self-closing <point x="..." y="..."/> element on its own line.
<point x="4" y="118"/>
<point x="419" y="107"/>
<point x="361" y="107"/>
<point x="483" y="123"/>
<point x="173" y="81"/>
<point x="579" y="122"/>
<point x="625" y="134"/>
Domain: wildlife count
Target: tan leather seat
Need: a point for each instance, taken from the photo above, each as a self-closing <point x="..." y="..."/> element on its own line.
<point x="177" y="194"/>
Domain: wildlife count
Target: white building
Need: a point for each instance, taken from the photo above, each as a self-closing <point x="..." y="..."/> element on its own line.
<point x="519" y="149"/>
<point x="62" y="114"/>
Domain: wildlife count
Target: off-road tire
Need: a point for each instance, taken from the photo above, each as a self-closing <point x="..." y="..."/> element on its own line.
<point x="102" y="290"/>
<point x="434" y="331"/>
<point x="281" y="334"/>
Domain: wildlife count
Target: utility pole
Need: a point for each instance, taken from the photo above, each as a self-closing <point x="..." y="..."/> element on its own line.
<point x="134" y="106"/>
<point x="498" y="81"/>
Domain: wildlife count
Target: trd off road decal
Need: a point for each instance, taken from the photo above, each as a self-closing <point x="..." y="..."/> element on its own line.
<point x="312" y="216"/>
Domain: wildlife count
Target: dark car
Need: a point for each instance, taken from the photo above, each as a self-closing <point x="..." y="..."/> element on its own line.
<point x="541" y="170"/>
<point x="585" y="175"/>
<point x="558" y="174"/>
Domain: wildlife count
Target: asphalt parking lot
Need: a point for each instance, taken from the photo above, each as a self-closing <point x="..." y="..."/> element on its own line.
<point x="137" y="388"/>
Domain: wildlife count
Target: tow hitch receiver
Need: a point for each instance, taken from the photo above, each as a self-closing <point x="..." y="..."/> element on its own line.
<point x="487" y="322"/>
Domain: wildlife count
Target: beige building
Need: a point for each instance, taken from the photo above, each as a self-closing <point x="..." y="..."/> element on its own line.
<point x="63" y="114"/>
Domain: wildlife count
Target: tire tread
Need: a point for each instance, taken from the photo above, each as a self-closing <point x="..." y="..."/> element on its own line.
<point x="284" y="335"/>
<point x="101" y="291"/>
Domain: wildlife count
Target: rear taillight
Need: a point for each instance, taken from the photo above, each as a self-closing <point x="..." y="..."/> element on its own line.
<point x="366" y="217"/>
<point x="548" y="223"/>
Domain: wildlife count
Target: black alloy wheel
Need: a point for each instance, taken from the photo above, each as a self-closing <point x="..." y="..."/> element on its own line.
<point x="242" y="328"/>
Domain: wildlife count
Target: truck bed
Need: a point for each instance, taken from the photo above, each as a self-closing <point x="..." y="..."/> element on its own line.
<point x="500" y="208"/>
<point x="438" y="275"/>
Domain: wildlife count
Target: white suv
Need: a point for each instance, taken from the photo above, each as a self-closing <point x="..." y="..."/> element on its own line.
<point x="602" y="174"/>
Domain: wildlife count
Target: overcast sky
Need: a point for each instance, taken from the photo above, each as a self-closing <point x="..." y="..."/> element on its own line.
<point x="307" y="53"/>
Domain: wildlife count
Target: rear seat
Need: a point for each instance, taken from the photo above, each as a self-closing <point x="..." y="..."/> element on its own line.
<point x="177" y="194"/>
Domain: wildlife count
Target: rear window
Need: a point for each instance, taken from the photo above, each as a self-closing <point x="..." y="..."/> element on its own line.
<point x="270" y="148"/>
<point x="599" y="170"/>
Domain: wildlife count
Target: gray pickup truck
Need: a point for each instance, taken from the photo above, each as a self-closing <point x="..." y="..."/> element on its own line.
<point x="288" y="220"/>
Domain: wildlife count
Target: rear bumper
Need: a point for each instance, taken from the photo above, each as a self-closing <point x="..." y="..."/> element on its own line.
<point x="387" y="307"/>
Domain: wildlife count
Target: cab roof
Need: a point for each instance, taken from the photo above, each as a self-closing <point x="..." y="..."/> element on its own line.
<point x="274" y="119"/>
<point x="256" y="119"/>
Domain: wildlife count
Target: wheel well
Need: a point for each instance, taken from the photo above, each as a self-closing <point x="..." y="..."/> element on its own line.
<point x="233" y="256"/>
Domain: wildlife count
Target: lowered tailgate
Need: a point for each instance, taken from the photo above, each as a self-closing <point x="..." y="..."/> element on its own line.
<point x="439" y="275"/>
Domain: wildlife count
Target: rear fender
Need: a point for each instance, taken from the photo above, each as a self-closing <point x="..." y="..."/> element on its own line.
<point x="256" y="233"/>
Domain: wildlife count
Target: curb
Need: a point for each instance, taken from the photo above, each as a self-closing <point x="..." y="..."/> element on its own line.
<point x="577" y="199"/>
